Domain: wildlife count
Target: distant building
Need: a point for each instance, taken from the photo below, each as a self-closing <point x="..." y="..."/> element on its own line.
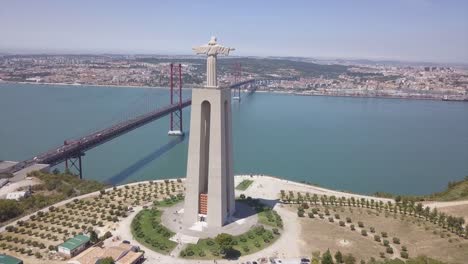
<point x="5" y="259"/>
<point x="18" y="195"/>
<point x="121" y="254"/>
<point x="73" y="246"/>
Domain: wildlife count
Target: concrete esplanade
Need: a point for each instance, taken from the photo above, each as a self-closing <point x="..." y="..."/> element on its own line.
<point x="209" y="197"/>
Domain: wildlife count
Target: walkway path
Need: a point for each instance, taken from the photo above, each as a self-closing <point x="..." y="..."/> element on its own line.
<point x="268" y="187"/>
<point x="445" y="204"/>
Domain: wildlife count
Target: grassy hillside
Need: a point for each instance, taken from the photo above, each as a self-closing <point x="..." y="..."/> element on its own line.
<point x="455" y="191"/>
<point x="54" y="188"/>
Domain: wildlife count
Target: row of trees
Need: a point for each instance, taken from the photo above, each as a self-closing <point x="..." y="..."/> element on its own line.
<point x="339" y="258"/>
<point x="407" y="207"/>
<point x="78" y="216"/>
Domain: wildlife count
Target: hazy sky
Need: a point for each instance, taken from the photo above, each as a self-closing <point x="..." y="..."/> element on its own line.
<point x="421" y="30"/>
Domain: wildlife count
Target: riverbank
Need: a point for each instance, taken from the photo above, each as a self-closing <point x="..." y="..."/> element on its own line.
<point x="299" y="93"/>
<point x="89" y="85"/>
<point x="284" y="92"/>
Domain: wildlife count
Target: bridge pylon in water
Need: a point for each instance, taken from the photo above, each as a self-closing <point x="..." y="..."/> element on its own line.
<point x="176" y="128"/>
<point x="237" y="78"/>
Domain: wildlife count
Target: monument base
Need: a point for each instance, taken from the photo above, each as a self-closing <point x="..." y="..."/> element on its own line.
<point x="242" y="221"/>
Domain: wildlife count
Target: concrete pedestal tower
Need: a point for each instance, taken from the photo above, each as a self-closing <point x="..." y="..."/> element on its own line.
<point x="210" y="180"/>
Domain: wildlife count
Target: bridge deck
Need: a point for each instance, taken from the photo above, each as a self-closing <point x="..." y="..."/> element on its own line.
<point x="74" y="148"/>
<point x="78" y="146"/>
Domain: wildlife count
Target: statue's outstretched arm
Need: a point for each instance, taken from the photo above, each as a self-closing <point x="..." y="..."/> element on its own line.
<point x="224" y="50"/>
<point x="201" y="50"/>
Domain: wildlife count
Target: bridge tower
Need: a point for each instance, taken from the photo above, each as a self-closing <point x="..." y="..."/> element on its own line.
<point x="73" y="163"/>
<point x="237" y="79"/>
<point x="176" y="128"/>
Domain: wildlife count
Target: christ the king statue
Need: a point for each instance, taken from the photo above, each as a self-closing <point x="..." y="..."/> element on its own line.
<point x="212" y="49"/>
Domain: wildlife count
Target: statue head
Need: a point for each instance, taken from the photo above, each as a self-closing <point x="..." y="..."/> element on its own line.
<point x="212" y="41"/>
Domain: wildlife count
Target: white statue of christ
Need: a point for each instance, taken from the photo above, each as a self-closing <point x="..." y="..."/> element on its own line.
<point x="212" y="49"/>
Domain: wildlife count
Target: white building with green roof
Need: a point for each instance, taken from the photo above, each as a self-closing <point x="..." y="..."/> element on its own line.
<point x="74" y="245"/>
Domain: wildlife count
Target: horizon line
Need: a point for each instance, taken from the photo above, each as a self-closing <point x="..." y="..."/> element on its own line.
<point x="8" y="52"/>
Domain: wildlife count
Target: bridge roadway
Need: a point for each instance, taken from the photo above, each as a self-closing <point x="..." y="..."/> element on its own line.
<point x="73" y="148"/>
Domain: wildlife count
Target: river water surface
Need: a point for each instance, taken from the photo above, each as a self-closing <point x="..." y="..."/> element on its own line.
<point x="356" y="144"/>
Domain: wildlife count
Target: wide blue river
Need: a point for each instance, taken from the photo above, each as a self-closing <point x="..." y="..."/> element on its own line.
<point x="356" y="144"/>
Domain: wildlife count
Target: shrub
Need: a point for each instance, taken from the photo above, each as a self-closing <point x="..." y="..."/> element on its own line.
<point x="348" y="220"/>
<point x="377" y="238"/>
<point x="389" y="250"/>
<point x="342" y="223"/>
<point x="372" y="230"/>
<point x="404" y="254"/>
<point x="396" y="240"/>
<point x="330" y="219"/>
<point x="386" y="243"/>
<point x="311" y="215"/>
<point x="384" y="234"/>
<point x="275" y="231"/>
<point x="352" y="227"/>
<point x="337" y="216"/>
<point x="300" y="213"/>
<point x="360" y="224"/>
<point x="363" y="232"/>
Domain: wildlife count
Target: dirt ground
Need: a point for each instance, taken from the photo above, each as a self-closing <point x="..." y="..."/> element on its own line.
<point x="319" y="235"/>
<point x="456" y="210"/>
<point x="419" y="236"/>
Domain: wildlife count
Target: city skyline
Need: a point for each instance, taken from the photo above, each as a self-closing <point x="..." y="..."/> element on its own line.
<point x="419" y="30"/>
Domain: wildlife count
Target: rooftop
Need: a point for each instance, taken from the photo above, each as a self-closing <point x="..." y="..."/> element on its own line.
<point x="5" y="259"/>
<point x="75" y="242"/>
<point x="122" y="253"/>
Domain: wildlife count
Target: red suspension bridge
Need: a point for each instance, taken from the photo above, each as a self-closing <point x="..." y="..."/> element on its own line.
<point x="72" y="151"/>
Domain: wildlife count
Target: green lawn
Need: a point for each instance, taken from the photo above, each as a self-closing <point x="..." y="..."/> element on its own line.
<point x="271" y="218"/>
<point x="147" y="229"/>
<point x="250" y="242"/>
<point x="174" y="199"/>
<point x="244" y="185"/>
